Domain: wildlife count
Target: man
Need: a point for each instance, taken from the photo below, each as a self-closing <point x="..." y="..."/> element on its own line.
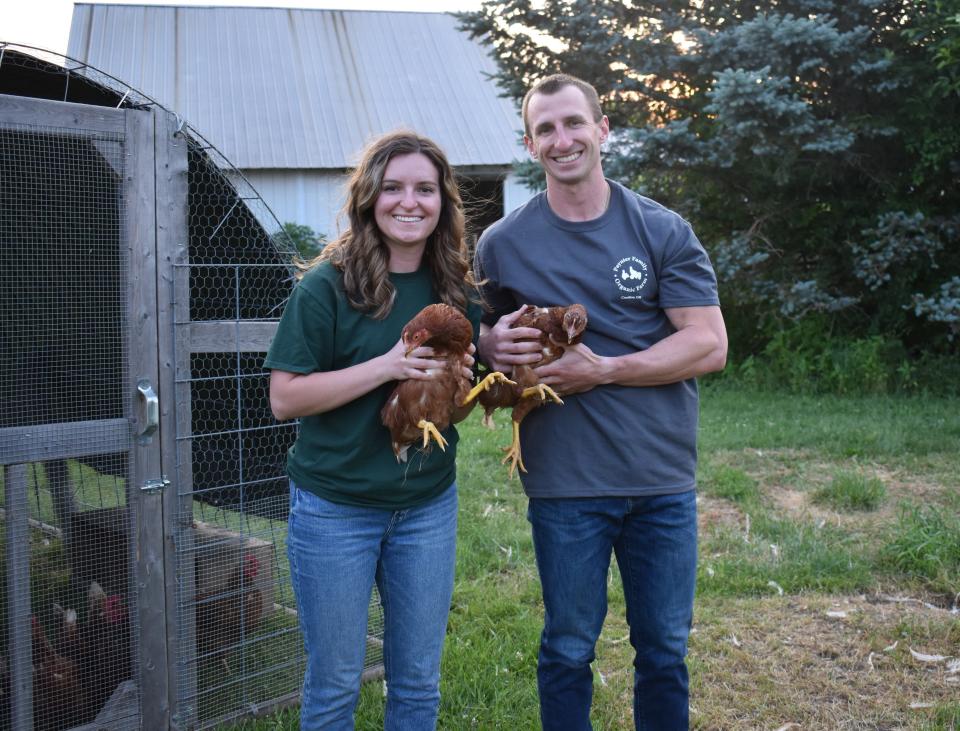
<point x="612" y="470"/>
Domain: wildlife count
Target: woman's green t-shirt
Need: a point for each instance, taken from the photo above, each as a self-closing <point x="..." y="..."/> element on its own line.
<point x="344" y="455"/>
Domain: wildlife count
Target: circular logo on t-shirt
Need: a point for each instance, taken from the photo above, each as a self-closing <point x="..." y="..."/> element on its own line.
<point x="630" y="274"/>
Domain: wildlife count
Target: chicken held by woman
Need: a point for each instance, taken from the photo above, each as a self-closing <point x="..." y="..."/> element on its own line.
<point x="421" y="409"/>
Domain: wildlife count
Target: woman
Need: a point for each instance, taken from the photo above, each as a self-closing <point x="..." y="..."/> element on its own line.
<point x="356" y="514"/>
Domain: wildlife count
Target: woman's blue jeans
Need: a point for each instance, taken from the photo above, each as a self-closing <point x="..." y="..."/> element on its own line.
<point x="655" y="542"/>
<point x="336" y="553"/>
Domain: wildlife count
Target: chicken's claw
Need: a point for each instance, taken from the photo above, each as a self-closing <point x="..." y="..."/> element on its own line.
<point x="543" y="391"/>
<point x="429" y="430"/>
<point x="485" y="384"/>
<point x="513" y="453"/>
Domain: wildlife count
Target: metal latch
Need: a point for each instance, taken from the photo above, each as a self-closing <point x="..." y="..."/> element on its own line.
<point x="154" y="485"/>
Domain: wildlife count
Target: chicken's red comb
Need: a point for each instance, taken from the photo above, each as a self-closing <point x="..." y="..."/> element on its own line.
<point x="113" y="609"/>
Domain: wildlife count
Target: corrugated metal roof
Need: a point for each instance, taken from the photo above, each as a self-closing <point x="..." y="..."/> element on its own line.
<point x="295" y="88"/>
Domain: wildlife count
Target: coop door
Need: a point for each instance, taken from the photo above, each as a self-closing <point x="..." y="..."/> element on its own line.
<point x="79" y="390"/>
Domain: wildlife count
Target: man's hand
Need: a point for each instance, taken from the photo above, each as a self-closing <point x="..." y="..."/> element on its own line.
<point x="579" y="369"/>
<point x="501" y="347"/>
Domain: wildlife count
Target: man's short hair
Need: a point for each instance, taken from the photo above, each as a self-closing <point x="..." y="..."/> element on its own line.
<point x="553" y="84"/>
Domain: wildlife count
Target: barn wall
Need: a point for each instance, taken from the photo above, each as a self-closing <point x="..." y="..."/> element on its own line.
<point x="314" y="197"/>
<point x="515" y="193"/>
<point x="305" y="197"/>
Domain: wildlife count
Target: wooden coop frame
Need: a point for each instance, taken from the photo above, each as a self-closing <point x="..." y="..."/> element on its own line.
<point x="169" y="543"/>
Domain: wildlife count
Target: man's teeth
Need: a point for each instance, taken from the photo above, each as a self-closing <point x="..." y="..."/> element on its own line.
<point x="408" y="219"/>
<point x="568" y="158"/>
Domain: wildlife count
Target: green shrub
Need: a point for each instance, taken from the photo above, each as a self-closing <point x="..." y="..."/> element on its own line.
<point x="806" y="357"/>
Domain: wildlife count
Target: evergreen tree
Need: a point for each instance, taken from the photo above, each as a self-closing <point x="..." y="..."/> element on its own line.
<point x="814" y="144"/>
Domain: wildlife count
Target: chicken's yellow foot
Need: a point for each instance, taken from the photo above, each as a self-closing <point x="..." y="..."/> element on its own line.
<point x="485" y="384"/>
<point x="513" y="453"/>
<point x="543" y="391"/>
<point x="429" y="430"/>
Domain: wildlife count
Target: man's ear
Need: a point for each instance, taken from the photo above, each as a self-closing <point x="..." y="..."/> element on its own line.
<point x="531" y="147"/>
<point x="604" y="129"/>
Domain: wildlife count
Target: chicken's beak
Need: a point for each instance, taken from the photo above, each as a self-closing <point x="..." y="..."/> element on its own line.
<point x="411" y="345"/>
<point x="417" y="339"/>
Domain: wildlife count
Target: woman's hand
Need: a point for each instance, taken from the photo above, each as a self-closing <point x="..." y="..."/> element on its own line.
<point x="468" y="362"/>
<point x="417" y="364"/>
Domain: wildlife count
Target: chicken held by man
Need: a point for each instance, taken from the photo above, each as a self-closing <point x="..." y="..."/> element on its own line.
<point x="420" y="409"/>
<point x="560" y="328"/>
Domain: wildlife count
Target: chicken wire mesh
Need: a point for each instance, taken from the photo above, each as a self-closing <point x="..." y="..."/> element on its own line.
<point x="62" y="314"/>
<point x="62" y="324"/>
<point x="236" y="497"/>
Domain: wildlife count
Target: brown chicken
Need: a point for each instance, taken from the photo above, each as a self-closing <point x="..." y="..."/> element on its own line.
<point x="560" y="327"/>
<point x="227" y="615"/>
<point x="57" y="691"/>
<point x="105" y="658"/>
<point x="421" y="409"/>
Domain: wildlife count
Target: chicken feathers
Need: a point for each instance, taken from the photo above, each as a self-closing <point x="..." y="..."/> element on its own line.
<point x="560" y="327"/>
<point x="420" y="409"/>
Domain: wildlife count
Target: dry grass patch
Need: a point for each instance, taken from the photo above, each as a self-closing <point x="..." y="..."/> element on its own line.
<point x="823" y="662"/>
<point x="787" y="478"/>
<point x="716" y="513"/>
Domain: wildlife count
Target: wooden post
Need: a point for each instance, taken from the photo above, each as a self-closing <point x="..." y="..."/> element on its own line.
<point x="146" y="485"/>
<point x="18" y="596"/>
<point x="173" y="318"/>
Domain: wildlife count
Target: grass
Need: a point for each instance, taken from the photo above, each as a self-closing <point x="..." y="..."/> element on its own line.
<point x="829" y="555"/>
<point x="850" y="491"/>
<point x="925" y="543"/>
<point x="829" y="565"/>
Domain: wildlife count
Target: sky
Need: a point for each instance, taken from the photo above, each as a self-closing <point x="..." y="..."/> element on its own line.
<point x="46" y="23"/>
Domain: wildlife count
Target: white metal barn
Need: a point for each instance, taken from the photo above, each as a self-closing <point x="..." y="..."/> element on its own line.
<point x="290" y="96"/>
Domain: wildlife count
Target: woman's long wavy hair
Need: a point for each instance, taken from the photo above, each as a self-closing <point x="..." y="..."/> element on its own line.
<point x="360" y="252"/>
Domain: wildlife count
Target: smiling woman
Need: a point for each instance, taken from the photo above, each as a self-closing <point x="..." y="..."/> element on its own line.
<point x="408" y="209"/>
<point x="357" y="514"/>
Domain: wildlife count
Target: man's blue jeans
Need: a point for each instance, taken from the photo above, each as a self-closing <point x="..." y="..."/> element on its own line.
<point x="336" y="552"/>
<point x="655" y="542"/>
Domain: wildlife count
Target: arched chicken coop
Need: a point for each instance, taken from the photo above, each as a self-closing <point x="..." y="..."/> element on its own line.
<point x="144" y="501"/>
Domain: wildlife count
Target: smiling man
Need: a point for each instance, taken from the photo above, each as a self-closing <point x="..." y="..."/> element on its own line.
<point x="612" y="470"/>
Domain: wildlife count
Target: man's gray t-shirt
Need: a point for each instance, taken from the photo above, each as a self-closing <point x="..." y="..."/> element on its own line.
<point x="625" y="267"/>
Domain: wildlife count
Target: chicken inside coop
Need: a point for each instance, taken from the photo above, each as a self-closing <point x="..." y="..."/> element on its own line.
<point x="78" y="663"/>
<point x="57" y="687"/>
<point x="560" y="328"/>
<point x="229" y="613"/>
